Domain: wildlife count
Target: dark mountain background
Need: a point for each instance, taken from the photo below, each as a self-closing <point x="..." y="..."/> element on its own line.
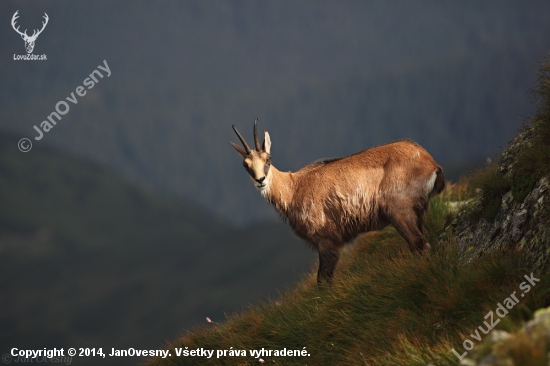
<point x="325" y="78"/>
<point x="88" y="260"/>
<point x="132" y="219"/>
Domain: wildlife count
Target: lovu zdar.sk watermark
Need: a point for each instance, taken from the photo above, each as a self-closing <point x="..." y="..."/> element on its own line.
<point x="29" y="40"/>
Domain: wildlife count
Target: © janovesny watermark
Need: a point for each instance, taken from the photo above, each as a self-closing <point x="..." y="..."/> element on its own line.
<point x="29" y="40"/>
<point x="37" y="356"/>
<point x="62" y="107"/>
<point x="501" y="311"/>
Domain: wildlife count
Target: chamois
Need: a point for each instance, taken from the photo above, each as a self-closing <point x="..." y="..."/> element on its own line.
<point x="331" y="201"/>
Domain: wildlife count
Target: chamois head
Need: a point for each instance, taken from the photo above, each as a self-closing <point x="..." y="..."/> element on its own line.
<point x="256" y="162"/>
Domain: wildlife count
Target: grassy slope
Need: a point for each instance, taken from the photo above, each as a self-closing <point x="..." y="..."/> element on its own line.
<point x="389" y="307"/>
<point x="386" y="307"/>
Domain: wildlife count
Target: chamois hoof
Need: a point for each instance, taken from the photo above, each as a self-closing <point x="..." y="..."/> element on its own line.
<point x="426" y="252"/>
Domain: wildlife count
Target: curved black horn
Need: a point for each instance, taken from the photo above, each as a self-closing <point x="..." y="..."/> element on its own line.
<point x="256" y="141"/>
<point x="242" y="139"/>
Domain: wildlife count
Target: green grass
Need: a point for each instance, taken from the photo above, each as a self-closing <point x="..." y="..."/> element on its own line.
<point x="385" y="307"/>
<point x="532" y="164"/>
<point x="493" y="186"/>
<point x="442" y="212"/>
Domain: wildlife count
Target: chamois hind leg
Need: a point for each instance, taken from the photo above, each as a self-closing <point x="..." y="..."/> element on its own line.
<point x="329" y="254"/>
<point x="420" y="223"/>
<point x="409" y="225"/>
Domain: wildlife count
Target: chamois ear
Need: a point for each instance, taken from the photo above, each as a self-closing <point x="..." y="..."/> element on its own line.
<point x="240" y="150"/>
<point x="267" y="143"/>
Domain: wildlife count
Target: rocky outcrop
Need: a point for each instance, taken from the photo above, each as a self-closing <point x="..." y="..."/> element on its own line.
<point x="519" y="224"/>
<point x="501" y="348"/>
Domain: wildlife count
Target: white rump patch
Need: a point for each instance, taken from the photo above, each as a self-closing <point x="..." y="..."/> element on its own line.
<point x="430" y="183"/>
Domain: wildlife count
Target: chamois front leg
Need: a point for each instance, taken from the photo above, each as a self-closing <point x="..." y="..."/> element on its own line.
<point x="329" y="254"/>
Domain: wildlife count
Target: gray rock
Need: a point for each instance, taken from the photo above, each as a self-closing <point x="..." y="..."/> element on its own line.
<point x="521" y="226"/>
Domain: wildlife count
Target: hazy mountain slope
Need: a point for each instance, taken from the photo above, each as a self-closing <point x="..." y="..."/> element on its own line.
<point x="86" y="259"/>
<point x="326" y="79"/>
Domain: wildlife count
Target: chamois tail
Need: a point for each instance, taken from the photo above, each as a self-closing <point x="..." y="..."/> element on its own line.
<point x="439" y="183"/>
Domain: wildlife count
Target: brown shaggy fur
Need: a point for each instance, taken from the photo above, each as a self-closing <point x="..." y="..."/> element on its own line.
<point x="330" y="202"/>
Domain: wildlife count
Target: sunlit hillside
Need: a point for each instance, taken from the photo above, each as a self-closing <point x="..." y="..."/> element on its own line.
<point x="390" y="307"/>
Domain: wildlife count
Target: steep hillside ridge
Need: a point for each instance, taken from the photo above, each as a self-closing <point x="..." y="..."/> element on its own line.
<point x="511" y="207"/>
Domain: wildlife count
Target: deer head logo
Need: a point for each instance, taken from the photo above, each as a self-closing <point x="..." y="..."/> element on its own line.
<point x="29" y="40"/>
